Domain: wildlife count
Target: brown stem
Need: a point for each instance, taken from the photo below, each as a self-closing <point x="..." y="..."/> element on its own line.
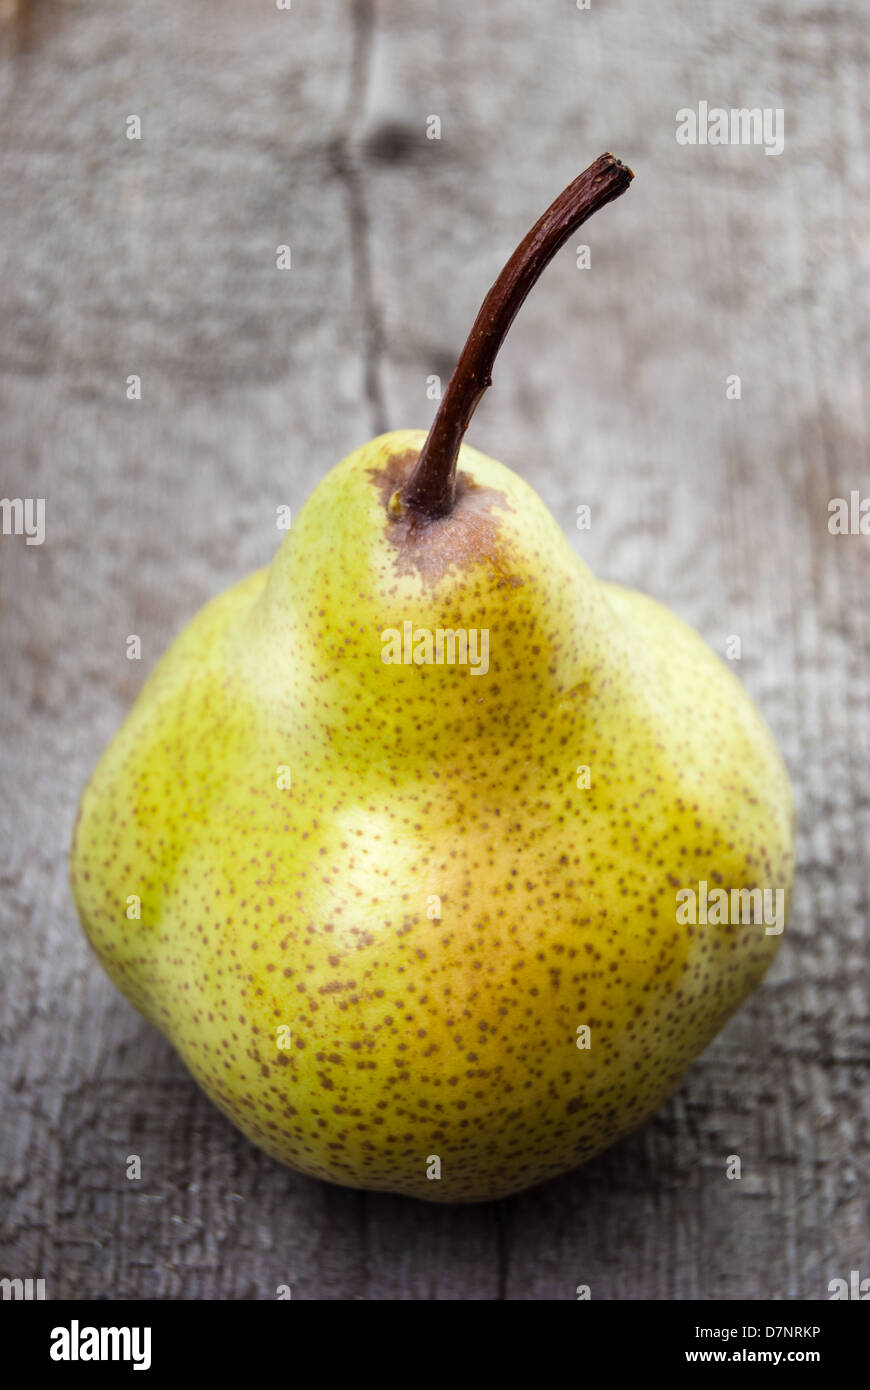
<point x="431" y="488"/>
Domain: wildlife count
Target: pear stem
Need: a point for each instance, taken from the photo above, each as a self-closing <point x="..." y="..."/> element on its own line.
<point x="430" y="491"/>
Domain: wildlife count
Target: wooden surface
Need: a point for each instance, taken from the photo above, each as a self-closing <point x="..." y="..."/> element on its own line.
<point x="157" y="257"/>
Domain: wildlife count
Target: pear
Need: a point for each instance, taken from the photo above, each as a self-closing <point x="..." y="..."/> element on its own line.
<point x="437" y="859"/>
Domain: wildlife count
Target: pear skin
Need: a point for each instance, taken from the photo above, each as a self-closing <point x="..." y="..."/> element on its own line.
<point x="416" y="927"/>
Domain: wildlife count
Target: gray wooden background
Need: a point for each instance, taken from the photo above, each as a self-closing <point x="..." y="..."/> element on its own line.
<point x="157" y="258"/>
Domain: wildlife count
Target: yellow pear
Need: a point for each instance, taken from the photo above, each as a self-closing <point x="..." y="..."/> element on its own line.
<point x="437" y="859"/>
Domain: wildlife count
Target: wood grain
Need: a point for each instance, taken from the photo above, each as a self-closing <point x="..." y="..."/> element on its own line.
<point x="157" y="257"/>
